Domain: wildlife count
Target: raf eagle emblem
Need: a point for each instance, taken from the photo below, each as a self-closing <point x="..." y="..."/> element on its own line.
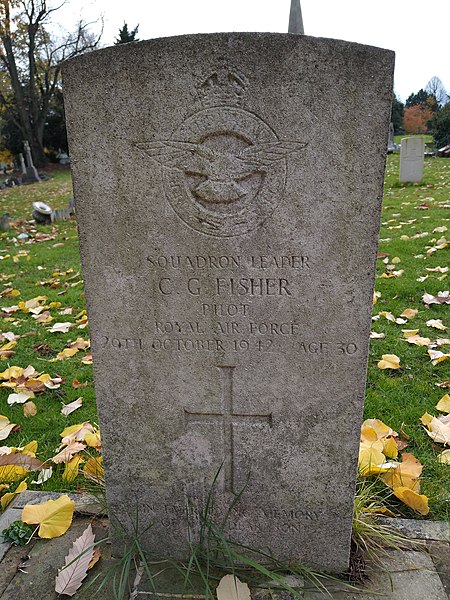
<point x="220" y="175"/>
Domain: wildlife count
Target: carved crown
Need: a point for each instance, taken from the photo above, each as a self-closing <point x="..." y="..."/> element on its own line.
<point x="224" y="85"/>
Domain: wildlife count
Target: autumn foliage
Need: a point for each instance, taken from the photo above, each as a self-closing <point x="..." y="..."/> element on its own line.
<point x="416" y="118"/>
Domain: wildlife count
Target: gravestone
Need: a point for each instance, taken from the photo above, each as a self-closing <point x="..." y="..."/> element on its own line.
<point x="22" y="164"/>
<point x="230" y="309"/>
<point x="412" y="159"/>
<point x="392" y="146"/>
<point x="31" y="175"/>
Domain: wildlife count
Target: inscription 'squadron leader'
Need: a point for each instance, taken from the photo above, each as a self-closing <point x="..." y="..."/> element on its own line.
<point x="224" y="168"/>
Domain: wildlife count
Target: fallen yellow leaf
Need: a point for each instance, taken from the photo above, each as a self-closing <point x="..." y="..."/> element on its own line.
<point x="390" y="448"/>
<point x="66" y="353"/>
<point x="30" y="449"/>
<point x="439" y="429"/>
<point x="409" y="332"/>
<point x="418" y="502"/>
<point x="76" y="433"/>
<point x="404" y="474"/>
<point x="7" y="498"/>
<point x="437" y="356"/>
<point x="444" y="404"/>
<point x="387" y="315"/>
<point x="93" y="440"/>
<point x="93" y="469"/>
<point x="374" y="429"/>
<point x="409" y="313"/>
<point x="418" y="340"/>
<point x="29" y="409"/>
<point x="10" y="473"/>
<point x="53" y="516"/>
<point x="71" y="470"/>
<point x="437" y="324"/>
<point x="12" y="373"/>
<point x="5" y="427"/>
<point x="389" y="361"/>
<point x="66" y="454"/>
<point x="67" y="409"/>
<point x="444" y="457"/>
<point x="371" y="461"/>
<point x="426" y="419"/>
<point x="87" y="359"/>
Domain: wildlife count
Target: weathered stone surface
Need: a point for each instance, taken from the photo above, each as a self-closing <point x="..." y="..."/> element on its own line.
<point x="440" y="554"/>
<point x="402" y="576"/>
<point x="412" y="159"/>
<point x="37" y="580"/>
<point x="5" y="521"/>
<point x="230" y="309"/>
<point x="419" y="529"/>
<point x="84" y="503"/>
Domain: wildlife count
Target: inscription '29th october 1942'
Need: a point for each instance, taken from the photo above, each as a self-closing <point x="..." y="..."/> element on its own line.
<point x="185" y="344"/>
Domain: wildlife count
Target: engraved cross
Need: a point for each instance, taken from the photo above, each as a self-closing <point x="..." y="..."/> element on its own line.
<point x="228" y="418"/>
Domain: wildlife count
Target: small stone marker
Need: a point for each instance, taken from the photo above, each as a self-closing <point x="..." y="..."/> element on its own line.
<point x="230" y="310"/>
<point x="31" y="175"/>
<point x="412" y="159"/>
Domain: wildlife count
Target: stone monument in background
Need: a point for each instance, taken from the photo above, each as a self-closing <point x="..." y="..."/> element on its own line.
<point x="230" y="310"/>
<point x="30" y="175"/>
<point x="412" y="159"/>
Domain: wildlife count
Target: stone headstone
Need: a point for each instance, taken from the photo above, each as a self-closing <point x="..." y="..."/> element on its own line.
<point x="31" y="175"/>
<point x="22" y="164"/>
<point x="392" y="146"/>
<point x="230" y="310"/>
<point x="412" y="159"/>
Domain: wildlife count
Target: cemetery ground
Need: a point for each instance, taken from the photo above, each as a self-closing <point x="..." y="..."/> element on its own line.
<point x="46" y="363"/>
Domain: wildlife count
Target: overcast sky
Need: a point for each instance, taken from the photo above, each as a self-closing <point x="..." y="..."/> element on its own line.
<point x="417" y="31"/>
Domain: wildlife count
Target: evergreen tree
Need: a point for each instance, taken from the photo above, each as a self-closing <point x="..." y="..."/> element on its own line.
<point x="423" y="98"/>
<point x="126" y="36"/>
<point x="398" y="110"/>
<point x="440" y="126"/>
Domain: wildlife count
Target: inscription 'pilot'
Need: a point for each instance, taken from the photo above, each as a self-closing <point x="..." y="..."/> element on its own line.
<point x="252" y="286"/>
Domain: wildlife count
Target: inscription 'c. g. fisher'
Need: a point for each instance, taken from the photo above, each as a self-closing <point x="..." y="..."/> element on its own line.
<point x="224" y="168"/>
<point x="228" y="418"/>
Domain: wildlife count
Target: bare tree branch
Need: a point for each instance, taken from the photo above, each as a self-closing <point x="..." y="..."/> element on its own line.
<point x="32" y="60"/>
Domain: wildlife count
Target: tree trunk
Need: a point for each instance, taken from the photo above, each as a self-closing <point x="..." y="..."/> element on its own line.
<point x="38" y="154"/>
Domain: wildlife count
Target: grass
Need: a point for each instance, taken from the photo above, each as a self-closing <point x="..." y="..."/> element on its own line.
<point x="398" y="398"/>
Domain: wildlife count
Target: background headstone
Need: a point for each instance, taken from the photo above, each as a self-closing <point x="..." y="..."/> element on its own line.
<point x="230" y="309"/>
<point x="392" y="146"/>
<point x="22" y="164"/>
<point x="31" y="175"/>
<point x="412" y="159"/>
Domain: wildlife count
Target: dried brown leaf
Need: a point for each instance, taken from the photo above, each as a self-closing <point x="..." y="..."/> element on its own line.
<point x="71" y="576"/>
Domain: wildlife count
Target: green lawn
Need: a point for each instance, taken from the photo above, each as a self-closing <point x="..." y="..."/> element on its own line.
<point x="51" y="268"/>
